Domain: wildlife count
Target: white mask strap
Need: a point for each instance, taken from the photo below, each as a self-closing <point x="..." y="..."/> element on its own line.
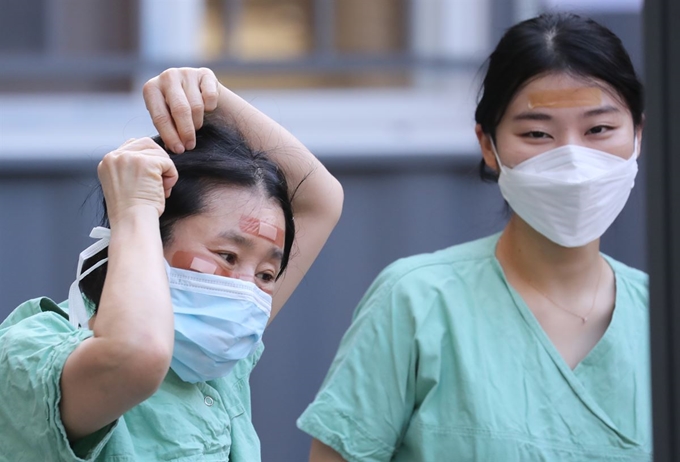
<point x="495" y="153"/>
<point x="77" y="313"/>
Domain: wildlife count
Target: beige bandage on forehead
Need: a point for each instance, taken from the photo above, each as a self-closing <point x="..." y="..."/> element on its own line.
<point x="568" y="97"/>
<point x="263" y="229"/>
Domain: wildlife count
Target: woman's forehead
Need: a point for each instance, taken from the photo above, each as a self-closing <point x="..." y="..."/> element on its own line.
<point x="557" y="91"/>
<point x="237" y="201"/>
<point x="564" y="97"/>
<point x="262" y="228"/>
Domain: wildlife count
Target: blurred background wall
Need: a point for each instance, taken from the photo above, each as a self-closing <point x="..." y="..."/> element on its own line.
<point x="382" y="91"/>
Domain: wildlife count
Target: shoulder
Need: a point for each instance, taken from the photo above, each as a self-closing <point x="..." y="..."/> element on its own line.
<point x="419" y="280"/>
<point x="35" y="340"/>
<point x="632" y="286"/>
<point x="630" y="274"/>
<point x="50" y="315"/>
<point x="432" y="268"/>
<point x="632" y="278"/>
<point x="33" y="333"/>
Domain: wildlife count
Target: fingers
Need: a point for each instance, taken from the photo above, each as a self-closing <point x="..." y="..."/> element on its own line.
<point x="145" y="144"/>
<point x="140" y="172"/>
<point x="177" y="100"/>
<point x="161" y="117"/>
<point x="195" y="101"/>
<point x="210" y="89"/>
<point x="170" y="176"/>
<point x="167" y="103"/>
<point x="167" y="168"/>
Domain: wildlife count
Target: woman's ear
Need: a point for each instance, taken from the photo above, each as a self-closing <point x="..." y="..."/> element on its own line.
<point x="485" y="144"/>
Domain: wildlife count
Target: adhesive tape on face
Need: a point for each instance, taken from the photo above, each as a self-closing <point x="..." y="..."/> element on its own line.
<point x="570" y="97"/>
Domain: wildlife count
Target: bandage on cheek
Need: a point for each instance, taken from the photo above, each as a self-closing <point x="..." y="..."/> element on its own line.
<point x="570" y="97"/>
<point x="262" y="229"/>
<point x="193" y="262"/>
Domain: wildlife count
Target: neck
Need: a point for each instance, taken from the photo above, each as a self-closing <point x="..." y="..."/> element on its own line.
<point x="535" y="258"/>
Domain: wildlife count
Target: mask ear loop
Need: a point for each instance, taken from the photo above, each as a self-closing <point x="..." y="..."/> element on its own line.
<point x="495" y="153"/>
<point x="636" y="151"/>
<point x="76" y="306"/>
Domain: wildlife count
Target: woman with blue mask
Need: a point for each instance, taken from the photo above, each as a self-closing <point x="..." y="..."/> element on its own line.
<point x="528" y="345"/>
<point x="150" y="357"/>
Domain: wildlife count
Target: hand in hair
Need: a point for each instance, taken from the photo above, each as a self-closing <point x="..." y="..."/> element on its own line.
<point x="137" y="174"/>
<point x="177" y="101"/>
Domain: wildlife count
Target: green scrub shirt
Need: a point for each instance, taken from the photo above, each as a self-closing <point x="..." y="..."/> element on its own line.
<point x="184" y="422"/>
<point x="445" y="362"/>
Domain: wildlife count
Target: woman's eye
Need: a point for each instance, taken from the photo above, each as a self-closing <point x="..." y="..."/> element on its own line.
<point x="229" y="257"/>
<point x="267" y="277"/>
<point x="599" y="129"/>
<point x="534" y="134"/>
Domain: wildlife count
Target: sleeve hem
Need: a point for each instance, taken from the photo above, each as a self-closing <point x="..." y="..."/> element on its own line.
<point x="52" y="386"/>
<point x="318" y="424"/>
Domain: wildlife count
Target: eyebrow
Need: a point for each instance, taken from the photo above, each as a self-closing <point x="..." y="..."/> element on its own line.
<point x="237" y="238"/>
<point x="244" y="241"/>
<point x="601" y="110"/>
<point x="530" y="115"/>
<point x="276" y="254"/>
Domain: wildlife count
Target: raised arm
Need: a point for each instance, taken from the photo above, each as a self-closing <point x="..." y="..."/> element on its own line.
<point x="177" y="100"/>
<point x="129" y="355"/>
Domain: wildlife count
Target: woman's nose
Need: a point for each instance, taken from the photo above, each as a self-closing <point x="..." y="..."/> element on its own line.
<point x="247" y="276"/>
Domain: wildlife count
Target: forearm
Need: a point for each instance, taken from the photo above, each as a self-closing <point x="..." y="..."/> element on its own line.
<point x="130" y="353"/>
<point x="128" y="357"/>
<point x="135" y="306"/>
<point x="320" y="191"/>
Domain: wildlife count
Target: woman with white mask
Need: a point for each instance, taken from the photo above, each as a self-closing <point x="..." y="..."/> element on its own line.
<point x="150" y="358"/>
<point x="530" y="344"/>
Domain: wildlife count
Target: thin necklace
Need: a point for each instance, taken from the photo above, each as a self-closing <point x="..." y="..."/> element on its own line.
<point x="592" y="306"/>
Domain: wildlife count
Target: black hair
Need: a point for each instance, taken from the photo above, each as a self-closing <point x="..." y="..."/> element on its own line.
<point x="222" y="157"/>
<point x="554" y="42"/>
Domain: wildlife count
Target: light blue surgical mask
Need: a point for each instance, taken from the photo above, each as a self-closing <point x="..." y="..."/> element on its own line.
<point x="218" y="320"/>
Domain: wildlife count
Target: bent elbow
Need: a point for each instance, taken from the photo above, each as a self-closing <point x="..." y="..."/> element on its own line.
<point x="146" y="367"/>
<point x="336" y="199"/>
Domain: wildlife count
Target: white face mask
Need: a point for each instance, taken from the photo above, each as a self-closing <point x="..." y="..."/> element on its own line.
<point x="570" y="194"/>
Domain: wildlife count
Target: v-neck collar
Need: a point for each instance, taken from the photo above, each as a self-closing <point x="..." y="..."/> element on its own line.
<point x="600" y="349"/>
<point x="606" y="342"/>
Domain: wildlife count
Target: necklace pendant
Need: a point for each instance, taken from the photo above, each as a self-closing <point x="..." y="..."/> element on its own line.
<point x="584" y="319"/>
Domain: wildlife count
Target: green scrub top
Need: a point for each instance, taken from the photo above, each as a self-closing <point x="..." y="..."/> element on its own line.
<point x="184" y="422"/>
<point x="445" y="362"/>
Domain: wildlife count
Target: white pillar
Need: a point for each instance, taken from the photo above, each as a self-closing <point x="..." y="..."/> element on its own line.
<point x="172" y="29"/>
<point x="449" y="29"/>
